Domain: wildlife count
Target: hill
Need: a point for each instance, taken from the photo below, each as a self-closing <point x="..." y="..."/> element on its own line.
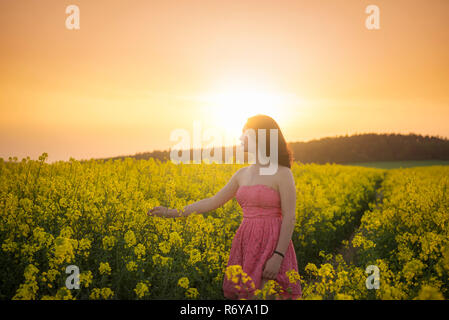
<point x="370" y="147"/>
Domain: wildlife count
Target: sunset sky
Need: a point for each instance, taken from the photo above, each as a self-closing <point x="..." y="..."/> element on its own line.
<point x="136" y="70"/>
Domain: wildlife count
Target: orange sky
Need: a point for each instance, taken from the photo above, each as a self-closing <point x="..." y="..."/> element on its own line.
<point x="137" y="70"/>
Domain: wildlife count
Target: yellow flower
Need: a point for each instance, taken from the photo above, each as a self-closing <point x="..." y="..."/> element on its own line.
<point x="51" y="274"/>
<point x="165" y="247"/>
<point x="183" y="282"/>
<point x="28" y="290"/>
<point x="30" y="271"/>
<point x="162" y="261"/>
<point x="233" y="272"/>
<point x="104" y="268"/>
<point x="86" y="278"/>
<point x="64" y="294"/>
<point x="63" y="250"/>
<point x="139" y="250"/>
<point x="104" y="293"/>
<point x="412" y="269"/>
<point x="141" y="289"/>
<point x="84" y="245"/>
<point x="95" y="294"/>
<point x="130" y="238"/>
<point x="10" y="246"/>
<point x="109" y="242"/>
<point x="293" y="276"/>
<point x="66" y="232"/>
<point x="310" y="267"/>
<point x="195" y="256"/>
<point x="191" y="293"/>
<point x="42" y="237"/>
<point x="175" y="239"/>
<point x="429" y="293"/>
<point x="342" y="296"/>
<point x="131" y="266"/>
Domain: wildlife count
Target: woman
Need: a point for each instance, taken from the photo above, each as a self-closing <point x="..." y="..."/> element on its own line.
<point x="262" y="245"/>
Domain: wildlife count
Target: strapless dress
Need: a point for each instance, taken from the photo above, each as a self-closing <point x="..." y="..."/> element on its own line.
<point x="255" y="241"/>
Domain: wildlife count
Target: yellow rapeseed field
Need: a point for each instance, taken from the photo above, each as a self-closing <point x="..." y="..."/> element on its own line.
<point x="92" y="214"/>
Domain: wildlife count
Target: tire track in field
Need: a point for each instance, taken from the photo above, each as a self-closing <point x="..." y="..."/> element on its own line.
<point x="348" y="251"/>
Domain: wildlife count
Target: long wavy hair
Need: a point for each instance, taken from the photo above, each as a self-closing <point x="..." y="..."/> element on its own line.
<point x="260" y="121"/>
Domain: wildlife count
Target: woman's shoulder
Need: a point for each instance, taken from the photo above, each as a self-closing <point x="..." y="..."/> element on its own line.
<point x="283" y="170"/>
<point x="283" y="173"/>
<point x="241" y="170"/>
<point x="238" y="174"/>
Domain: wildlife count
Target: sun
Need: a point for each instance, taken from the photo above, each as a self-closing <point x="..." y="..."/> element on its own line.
<point x="231" y="108"/>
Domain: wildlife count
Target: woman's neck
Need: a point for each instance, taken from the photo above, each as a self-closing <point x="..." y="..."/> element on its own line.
<point x="257" y="164"/>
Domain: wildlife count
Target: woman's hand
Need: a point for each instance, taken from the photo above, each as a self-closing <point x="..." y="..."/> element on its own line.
<point x="158" y="211"/>
<point x="271" y="267"/>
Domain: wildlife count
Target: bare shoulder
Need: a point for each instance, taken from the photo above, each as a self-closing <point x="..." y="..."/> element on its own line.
<point x="241" y="171"/>
<point x="284" y="174"/>
<point x="284" y="171"/>
<point x="238" y="174"/>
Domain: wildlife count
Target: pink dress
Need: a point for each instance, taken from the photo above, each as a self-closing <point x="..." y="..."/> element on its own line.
<point x="255" y="241"/>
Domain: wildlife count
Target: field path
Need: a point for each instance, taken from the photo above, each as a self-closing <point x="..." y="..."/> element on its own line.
<point x="349" y="252"/>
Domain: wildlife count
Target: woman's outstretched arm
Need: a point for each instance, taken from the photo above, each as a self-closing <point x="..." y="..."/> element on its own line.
<point x="204" y="205"/>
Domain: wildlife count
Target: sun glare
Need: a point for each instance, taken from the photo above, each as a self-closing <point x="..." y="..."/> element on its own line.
<point x="230" y="109"/>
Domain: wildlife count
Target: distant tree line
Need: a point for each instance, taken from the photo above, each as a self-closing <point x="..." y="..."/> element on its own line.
<point x="369" y="147"/>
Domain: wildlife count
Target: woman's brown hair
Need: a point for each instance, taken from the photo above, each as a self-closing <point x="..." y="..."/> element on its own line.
<point x="260" y="121"/>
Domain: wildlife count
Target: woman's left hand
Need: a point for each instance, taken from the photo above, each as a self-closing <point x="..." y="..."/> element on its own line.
<point x="158" y="211"/>
<point x="272" y="266"/>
